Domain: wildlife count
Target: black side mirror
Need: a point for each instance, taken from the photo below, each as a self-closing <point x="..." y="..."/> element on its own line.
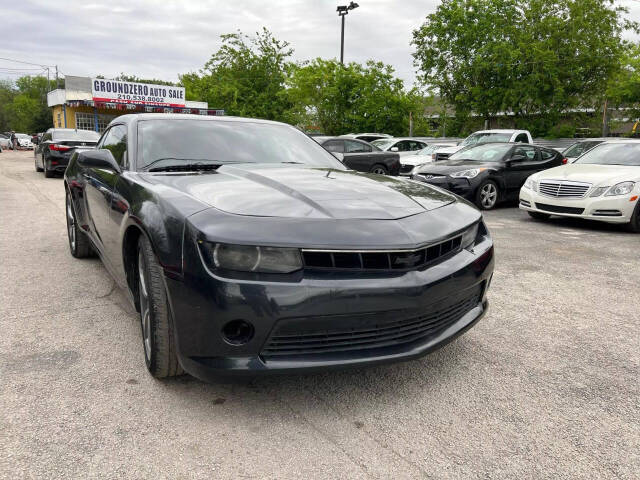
<point x="338" y="155"/>
<point x="98" y="159"/>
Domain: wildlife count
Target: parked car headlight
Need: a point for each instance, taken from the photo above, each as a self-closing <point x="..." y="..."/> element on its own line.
<point x="245" y="258"/>
<point x="620" y="189"/>
<point x="417" y="168"/>
<point x="531" y="184"/>
<point x="471" y="173"/>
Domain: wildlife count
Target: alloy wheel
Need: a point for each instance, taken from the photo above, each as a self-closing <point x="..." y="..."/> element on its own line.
<point x="378" y="170"/>
<point x="488" y="195"/>
<point x="71" y="224"/>
<point x="145" y="313"/>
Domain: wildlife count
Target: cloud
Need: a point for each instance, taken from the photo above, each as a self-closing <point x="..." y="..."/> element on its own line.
<point x="164" y="39"/>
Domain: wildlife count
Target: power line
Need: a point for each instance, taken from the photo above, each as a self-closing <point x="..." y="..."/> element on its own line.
<point x="26" y="63"/>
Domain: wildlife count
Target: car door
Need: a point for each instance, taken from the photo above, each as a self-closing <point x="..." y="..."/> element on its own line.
<point x="99" y="187"/>
<point x="522" y="162"/>
<point x="43" y="147"/>
<point x="357" y="155"/>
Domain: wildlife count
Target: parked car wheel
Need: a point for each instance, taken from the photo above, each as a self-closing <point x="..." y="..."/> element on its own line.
<point x="35" y="161"/>
<point x="487" y="195"/>
<point x="155" y="318"/>
<point x="634" y="224"/>
<point x="79" y="244"/>
<point x="47" y="172"/>
<point x="539" y="216"/>
<point x="379" y="169"/>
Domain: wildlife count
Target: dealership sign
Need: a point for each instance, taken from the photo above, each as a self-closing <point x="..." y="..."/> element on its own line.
<point x="115" y="91"/>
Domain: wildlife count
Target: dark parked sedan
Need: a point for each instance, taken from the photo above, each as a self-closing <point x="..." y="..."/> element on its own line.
<point x="53" y="152"/>
<point x="489" y="173"/>
<point x="362" y="156"/>
<point x="248" y="248"/>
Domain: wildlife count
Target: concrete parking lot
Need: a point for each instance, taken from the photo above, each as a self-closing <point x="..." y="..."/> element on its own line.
<point x="545" y="386"/>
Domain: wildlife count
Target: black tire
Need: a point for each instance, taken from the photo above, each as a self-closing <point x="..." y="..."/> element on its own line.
<point x="634" y="224"/>
<point x="487" y="195"/>
<point x="35" y="161"/>
<point x="539" y="215"/>
<point x="379" y="169"/>
<point x="156" y="324"/>
<point x="47" y="173"/>
<point x="79" y="243"/>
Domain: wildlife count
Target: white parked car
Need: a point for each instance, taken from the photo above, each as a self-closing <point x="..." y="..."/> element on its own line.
<point x="409" y="162"/>
<point x="485" y="136"/>
<point x="24" y="140"/>
<point x="602" y="184"/>
<point x="401" y="146"/>
<point x="5" y="143"/>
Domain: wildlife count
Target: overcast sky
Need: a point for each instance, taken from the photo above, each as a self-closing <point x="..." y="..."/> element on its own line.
<point x="156" y="39"/>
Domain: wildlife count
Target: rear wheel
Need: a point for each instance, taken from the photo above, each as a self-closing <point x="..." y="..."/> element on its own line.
<point x="379" y="169"/>
<point x="487" y="195"/>
<point x="47" y="171"/>
<point x="79" y="244"/>
<point x="35" y="161"/>
<point x="634" y="224"/>
<point x="539" y="216"/>
<point x="155" y="318"/>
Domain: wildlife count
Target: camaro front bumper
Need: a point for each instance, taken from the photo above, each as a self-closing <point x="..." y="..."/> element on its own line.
<point x="326" y="320"/>
<point x="604" y="209"/>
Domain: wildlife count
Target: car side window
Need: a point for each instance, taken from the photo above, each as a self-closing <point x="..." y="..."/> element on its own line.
<point x="47" y="137"/>
<point x="334" y="146"/>
<point x="116" y="141"/>
<point x="417" y="146"/>
<point x="522" y="138"/>
<point x="403" y="146"/>
<point x="355" y="147"/>
<point x="546" y="155"/>
<point x="528" y="152"/>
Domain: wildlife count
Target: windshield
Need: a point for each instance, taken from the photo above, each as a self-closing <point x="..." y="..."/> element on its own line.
<point x="172" y="142"/>
<point x="627" y="154"/>
<point x="578" y="149"/>
<point x="493" y="152"/>
<point x="478" y="138"/>
<point x="85" y="135"/>
<point x="382" y="144"/>
<point x="432" y="148"/>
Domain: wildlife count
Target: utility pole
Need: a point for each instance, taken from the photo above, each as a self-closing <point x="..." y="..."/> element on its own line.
<point x="57" y="79"/>
<point x="605" y="120"/>
<point x="48" y="81"/>
<point x="342" y="11"/>
<point x="411" y="124"/>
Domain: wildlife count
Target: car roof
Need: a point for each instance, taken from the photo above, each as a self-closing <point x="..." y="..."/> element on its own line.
<point x="500" y="130"/>
<point x="136" y="117"/>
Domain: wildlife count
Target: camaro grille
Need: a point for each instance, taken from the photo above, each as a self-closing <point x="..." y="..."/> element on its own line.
<point x="559" y="188"/>
<point x="380" y="260"/>
<point x="355" y="333"/>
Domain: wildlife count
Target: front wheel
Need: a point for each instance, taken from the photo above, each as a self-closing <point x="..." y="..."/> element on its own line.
<point x="79" y="244"/>
<point x="634" y="223"/>
<point x="379" y="169"/>
<point x="487" y="195"/>
<point x="539" y="216"/>
<point x="158" y="338"/>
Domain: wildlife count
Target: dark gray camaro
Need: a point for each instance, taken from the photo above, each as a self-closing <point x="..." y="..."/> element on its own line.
<point x="248" y="248"/>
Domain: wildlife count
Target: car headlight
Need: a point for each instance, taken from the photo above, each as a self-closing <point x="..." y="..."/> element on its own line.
<point x="246" y="258"/>
<point x="598" y="191"/>
<point x="531" y="184"/>
<point x="620" y="189"/>
<point x="471" y="173"/>
<point x="417" y="167"/>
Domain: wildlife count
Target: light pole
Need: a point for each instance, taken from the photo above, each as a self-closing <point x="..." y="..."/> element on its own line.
<point x="342" y="11"/>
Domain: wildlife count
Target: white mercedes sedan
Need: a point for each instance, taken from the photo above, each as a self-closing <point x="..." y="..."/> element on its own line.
<point x="603" y="184"/>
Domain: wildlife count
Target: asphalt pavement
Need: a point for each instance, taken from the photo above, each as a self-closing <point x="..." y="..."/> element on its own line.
<point x="545" y="386"/>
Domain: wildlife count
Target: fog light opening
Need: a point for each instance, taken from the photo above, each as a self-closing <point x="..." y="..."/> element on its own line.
<point x="238" y="332"/>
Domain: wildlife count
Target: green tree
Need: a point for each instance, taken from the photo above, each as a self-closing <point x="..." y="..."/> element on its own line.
<point x="522" y="56"/>
<point x="246" y="77"/>
<point x="23" y="105"/>
<point x="624" y="86"/>
<point x="353" y="98"/>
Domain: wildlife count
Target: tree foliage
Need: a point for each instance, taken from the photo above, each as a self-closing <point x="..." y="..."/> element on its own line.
<point x="352" y="98"/>
<point x="522" y="56"/>
<point x="23" y="105"/>
<point x="624" y="86"/>
<point x="246" y="76"/>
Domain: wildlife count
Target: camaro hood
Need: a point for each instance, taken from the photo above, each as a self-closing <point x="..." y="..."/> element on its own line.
<point x="594" y="174"/>
<point x="301" y="192"/>
<point x="450" y="166"/>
